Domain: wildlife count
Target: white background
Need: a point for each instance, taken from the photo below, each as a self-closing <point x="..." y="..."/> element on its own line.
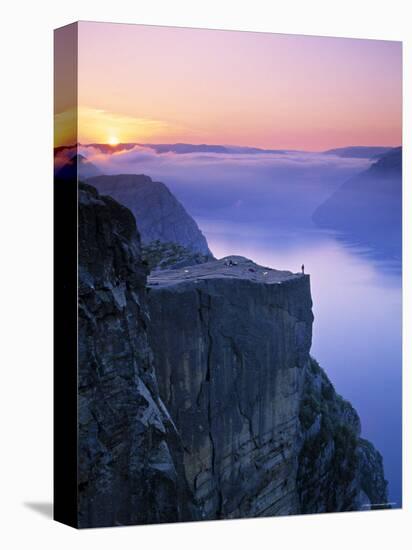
<point x="26" y="271"/>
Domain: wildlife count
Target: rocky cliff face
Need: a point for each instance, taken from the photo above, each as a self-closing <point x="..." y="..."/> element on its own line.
<point x="129" y="449"/>
<point x="198" y="398"/>
<point x="263" y="431"/>
<point x="337" y="470"/>
<point x="169" y="255"/>
<point x="160" y="216"/>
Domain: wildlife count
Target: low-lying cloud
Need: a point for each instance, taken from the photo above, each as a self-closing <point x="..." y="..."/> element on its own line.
<point x="249" y="187"/>
<point x="143" y="159"/>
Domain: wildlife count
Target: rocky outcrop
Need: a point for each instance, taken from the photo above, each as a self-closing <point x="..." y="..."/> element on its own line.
<point x="197" y="395"/>
<point x="263" y="431"/>
<point x="159" y="215"/>
<point x="338" y="471"/>
<point x="372" y="485"/>
<point x="168" y="255"/>
<point x="129" y="450"/>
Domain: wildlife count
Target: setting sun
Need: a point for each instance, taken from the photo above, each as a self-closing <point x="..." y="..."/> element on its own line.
<point x="113" y="140"/>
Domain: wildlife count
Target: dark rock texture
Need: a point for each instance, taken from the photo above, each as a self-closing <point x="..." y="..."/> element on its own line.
<point x="373" y="488"/>
<point x="338" y="471"/>
<point x="263" y="431"/>
<point x="159" y="215"/>
<point x="129" y="450"/>
<point x="197" y="396"/>
<point x="160" y="256"/>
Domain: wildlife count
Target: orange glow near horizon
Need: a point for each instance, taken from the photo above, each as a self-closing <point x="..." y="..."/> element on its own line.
<point x="113" y="140"/>
<point x="237" y="88"/>
<point x="101" y="126"/>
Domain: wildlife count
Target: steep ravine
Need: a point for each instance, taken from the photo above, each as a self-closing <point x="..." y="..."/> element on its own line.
<point x="198" y="398"/>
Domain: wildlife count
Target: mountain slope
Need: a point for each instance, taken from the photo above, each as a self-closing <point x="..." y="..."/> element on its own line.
<point x="368" y="207"/>
<point x="358" y="151"/>
<point x="129" y="455"/>
<point x="159" y="215"/>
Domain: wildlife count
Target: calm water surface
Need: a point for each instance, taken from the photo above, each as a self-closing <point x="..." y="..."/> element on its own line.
<point x="357" y="328"/>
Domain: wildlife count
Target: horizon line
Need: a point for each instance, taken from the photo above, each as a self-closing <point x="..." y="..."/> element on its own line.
<point x="264" y="149"/>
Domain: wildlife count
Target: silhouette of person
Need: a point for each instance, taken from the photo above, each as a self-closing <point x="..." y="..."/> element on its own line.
<point x="303" y="269"/>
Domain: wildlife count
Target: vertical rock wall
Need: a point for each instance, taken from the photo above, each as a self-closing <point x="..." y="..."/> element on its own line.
<point x="229" y="356"/>
<point x="127" y="444"/>
<point x="263" y="430"/>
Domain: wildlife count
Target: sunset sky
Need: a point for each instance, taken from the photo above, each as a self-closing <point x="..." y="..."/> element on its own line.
<point x="161" y="85"/>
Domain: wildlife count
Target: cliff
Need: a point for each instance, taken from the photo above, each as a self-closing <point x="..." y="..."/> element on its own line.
<point x="337" y="469"/>
<point x="129" y="449"/>
<point x="160" y="216"/>
<point x="198" y="398"/>
<point x="263" y="430"/>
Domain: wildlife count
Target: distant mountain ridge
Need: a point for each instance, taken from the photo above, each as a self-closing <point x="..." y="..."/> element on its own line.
<point x="358" y="151"/>
<point x="183" y="148"/>
<point x="353" y="151"/>
<point x="389" y="163"/>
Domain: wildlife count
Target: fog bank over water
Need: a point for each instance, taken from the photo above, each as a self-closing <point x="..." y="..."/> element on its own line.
<point x="357" y="333"/>
<point x="278" y="187"/>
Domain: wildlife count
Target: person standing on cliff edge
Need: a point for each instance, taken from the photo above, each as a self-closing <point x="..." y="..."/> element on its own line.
<point x="303" y="269"/>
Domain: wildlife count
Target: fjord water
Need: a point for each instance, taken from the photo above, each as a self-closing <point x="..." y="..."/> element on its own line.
<point x="357" y="327"/>
<point x="266" y="214"/>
